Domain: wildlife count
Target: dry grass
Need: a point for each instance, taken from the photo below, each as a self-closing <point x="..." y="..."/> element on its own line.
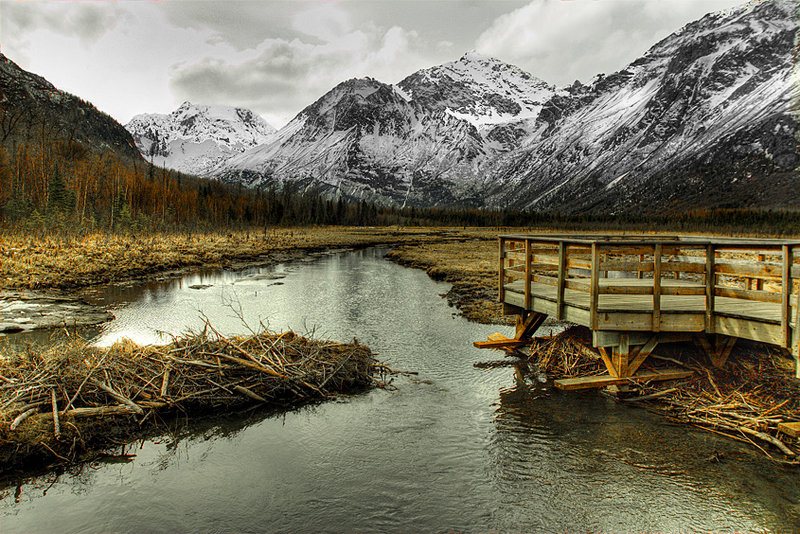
<point x="36" y="262"/>
<point x="66" y="400"/>
<point x="470" y="266"/>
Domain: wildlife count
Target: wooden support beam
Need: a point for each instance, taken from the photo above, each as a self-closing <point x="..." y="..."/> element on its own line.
<point x="759" y="282"/>
<point x="639" y="272"/>
<point x="724" y="346"/>
<point x="796" y="347"/>
<point x="607" y="360"/>
<point x="710" y="283"/>
<point x="641" y="355"/>
<point x="562" y="276"/>
<point x="657" y="288"/>
<point x="527" y="327"/>
<point x="719" y="352"/>
<point x="608" y="380"/>
<point x="620" y="355"/>
<point x="594" y="293"/>
<point x="500" y="342"/>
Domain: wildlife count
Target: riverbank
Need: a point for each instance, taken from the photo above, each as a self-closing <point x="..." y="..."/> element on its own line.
<point x="68" y="262"/>
<point x="66" y="402"/>
<point x="471" y="268"/>
<point x="746" y="400"/>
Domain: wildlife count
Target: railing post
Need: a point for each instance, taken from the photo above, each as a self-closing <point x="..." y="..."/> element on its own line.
<point x="786" y="291"/>
<point x="502" y="270"/>
<point x="657" y="288"/>
<point x="759" y="282"/>
<point x="528" y="275"/>
<point x="562" y="280"/>
<point x="594" y="291"/>
<point x="710" y="288"/>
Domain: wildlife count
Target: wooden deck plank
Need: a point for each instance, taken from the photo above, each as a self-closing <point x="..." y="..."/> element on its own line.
<point x="599" y="381"/>
<point x="790" y="429"/>
<point x="745" y="309"/>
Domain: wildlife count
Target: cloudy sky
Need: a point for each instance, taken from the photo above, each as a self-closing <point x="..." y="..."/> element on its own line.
<point x="277" y="56"/>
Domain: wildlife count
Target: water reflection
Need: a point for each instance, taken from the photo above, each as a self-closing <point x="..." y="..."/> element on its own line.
<point x="455" y="448"/>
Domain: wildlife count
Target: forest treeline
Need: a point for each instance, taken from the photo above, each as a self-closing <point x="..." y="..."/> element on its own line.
<point x="64" y="187"/>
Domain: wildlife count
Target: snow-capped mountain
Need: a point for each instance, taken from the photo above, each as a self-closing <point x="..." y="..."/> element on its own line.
<point x="702" y="119"/>
<point x="366" y="140"/>
<point x="479" y="89"/>
<point x="421" y="142"/>
<point x="196" y="138"/>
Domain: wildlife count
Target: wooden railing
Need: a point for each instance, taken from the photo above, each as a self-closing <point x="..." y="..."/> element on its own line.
<point x="749" y="270"/>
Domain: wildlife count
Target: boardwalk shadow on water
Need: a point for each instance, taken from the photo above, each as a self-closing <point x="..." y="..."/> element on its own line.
<point x="454" y="448"/>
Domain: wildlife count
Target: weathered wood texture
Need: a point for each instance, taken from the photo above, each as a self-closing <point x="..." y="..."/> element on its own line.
<point x="742" y="288"/>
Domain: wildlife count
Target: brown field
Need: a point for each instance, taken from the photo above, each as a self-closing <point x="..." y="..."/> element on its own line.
<point x="35" y="262"/>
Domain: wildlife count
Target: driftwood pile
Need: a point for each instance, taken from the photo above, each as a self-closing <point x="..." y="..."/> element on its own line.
<point x="746" y="400"/>
<point x="69" y="399"/>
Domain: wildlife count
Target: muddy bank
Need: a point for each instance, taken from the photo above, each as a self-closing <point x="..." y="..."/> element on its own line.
<point x="471" y="268"/>
<point x="24" y="310"/>
<point x="67" y="401"/>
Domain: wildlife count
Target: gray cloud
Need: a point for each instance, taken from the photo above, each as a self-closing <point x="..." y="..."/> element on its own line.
<point x="281" y="76"/>
<point x="87" y="22"/>
<point x="562" y="41"/>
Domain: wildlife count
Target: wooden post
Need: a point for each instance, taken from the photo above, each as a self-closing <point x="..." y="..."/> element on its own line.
<point x="786" y="291"/>
<point x="562" y="277"/>
<point x="657" y="288"/>
<point x="710" y="288"/>
<point x="528" y="274"/>
<point x="594" y="291"/>
<point x="502" y="271"/>
<point x="640" y="273"/>
<point x="796" y="347"/>
<point x="620" y="355"/>
<point x="760" y="282"/>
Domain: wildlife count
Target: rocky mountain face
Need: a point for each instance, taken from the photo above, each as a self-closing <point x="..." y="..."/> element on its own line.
<point x="481" y="90"/>
<point x="422" y="142"/>
<point x="31" y="108"/>
<point x="195" y="138"/>
<point x="702" y="120"/>
<point x="366" y="140"/>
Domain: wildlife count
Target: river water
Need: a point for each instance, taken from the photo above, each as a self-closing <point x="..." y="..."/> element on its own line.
<point x="455" y="448"/>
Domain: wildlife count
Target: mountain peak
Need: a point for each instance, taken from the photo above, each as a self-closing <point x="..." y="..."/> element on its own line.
<point x="195" y="137"/>
<point x="480" y="89"/>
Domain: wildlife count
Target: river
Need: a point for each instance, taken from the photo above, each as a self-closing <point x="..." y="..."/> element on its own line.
<point x="454" y="448"/>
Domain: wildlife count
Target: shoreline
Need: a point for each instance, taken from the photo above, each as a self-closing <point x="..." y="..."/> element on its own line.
<point x="726" y="401"/>
<point x="69" y="402"/>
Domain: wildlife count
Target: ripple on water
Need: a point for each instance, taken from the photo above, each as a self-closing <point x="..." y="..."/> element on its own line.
<point x="452" y="448"/>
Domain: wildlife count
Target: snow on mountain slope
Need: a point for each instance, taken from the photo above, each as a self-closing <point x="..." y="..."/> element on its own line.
<point x="479" y="89"/>
<point x="677" y="128"/>
<point x="195" y="138"/>
<point x="364" y="140"/>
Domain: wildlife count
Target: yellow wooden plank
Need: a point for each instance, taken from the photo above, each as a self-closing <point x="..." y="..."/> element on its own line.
<point x="599" y="381"/>
<point x="790" y="429"/>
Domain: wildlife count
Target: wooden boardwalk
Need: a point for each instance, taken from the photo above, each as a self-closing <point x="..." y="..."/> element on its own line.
<point x="635" y="292"/>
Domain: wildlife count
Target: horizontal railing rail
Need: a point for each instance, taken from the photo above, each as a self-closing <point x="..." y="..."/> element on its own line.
<point x="555" y="267"/>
